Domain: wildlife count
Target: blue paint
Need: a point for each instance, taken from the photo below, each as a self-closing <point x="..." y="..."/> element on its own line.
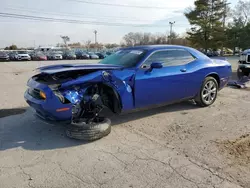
<point x="136" y="87"/>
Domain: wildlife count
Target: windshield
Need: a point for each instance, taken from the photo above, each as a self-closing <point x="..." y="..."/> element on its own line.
<point x="22" y="52"/>
<point x="56" y="53"/>
<point x="126" y="58"/>
<point x="39" y="54"/>
<point x="69" y="53"/>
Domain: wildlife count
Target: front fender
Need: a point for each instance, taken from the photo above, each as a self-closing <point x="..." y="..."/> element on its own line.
<point x="73" y="90"/>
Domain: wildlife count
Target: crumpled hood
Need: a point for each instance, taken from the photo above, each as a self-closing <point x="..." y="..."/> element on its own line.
<point x="72" y="67"/>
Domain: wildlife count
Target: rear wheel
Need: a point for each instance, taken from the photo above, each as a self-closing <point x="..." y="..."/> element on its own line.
<point x="208" y="92"/>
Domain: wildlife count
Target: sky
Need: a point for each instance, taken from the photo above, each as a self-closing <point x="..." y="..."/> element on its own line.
<point x="130" y="15"/>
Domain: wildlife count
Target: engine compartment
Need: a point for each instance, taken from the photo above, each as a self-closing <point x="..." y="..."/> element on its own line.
<point x="60" y="77"/>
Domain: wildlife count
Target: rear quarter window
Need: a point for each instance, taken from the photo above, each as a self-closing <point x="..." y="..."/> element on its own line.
<point x="170" y="57"/>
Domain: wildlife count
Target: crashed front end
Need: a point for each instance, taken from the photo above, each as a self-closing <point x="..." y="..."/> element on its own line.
<point x="46" y="104"/>
<point x="69" y="94"/>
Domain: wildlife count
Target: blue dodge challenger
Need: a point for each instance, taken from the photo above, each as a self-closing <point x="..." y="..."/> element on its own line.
<point x="132" y="78"/>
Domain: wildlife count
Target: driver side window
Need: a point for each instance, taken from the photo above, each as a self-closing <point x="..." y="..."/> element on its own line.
<point x="169" y="58"/>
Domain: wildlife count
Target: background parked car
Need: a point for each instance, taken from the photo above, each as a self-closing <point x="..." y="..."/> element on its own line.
<point x="38" y="56"/>
<point x="82" y="55"/>
<point x="23" y="55"/>
<point x="101" y="55"/>
<point x="4" y="56"/>
<point x="12" y="56"/>
<point x="57" y="55"/>
<point x="93" y="56"/>
<point x="69" y="55"/>
<point x="109" y="53"/>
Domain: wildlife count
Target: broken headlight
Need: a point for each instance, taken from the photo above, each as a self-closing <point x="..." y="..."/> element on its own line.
<point x="106" y="76"/>
<point x="61" y="97"/>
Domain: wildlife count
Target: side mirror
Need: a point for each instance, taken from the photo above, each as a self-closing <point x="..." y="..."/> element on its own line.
<point x="156" y="65"/>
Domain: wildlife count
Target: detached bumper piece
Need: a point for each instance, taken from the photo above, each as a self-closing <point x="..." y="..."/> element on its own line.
<point x="241" y="84"/>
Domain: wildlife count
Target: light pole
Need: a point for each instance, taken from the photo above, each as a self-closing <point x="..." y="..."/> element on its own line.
<point x="171" y="29"/>
<point x="95" y="36"/>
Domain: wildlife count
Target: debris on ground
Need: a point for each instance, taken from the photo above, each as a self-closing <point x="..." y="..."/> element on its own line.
<point x="241" y="83"/>
<point x="237" y="150"/>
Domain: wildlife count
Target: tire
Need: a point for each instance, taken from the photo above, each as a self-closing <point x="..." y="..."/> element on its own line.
<point x="89" y="132"/>
<point x="240" y="74"/>
<point x="207" y="101"/>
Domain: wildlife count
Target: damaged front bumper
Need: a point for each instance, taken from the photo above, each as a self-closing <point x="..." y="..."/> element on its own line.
<point x="51" y="108"/>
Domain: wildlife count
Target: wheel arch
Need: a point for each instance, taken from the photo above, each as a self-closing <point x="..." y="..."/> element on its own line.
<point x="215" y="76"/>
<point x="114" y="102"/>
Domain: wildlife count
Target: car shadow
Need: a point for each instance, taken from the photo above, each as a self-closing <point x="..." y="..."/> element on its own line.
<point x="131" y="116"/>
<point x="27" y="131"/>
<point x="11" y="112"/>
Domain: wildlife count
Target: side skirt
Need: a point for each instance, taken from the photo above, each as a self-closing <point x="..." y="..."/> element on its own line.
<point x="156" y="106"/>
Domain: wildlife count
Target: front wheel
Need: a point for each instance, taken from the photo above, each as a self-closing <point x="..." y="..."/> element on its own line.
<point x="91" y="131"/>
<point x="208" y="92"/>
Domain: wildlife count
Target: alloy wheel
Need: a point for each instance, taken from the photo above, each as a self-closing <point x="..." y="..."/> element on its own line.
<point x="209" y="92"/>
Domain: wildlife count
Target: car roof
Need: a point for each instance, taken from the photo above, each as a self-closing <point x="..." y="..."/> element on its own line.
<point x="157" y="47"/>
<point x="246" y="52"/>
<point x="152" y="48"/>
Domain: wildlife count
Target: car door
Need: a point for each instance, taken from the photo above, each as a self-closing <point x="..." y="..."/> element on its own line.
<point x="166" y="84"/>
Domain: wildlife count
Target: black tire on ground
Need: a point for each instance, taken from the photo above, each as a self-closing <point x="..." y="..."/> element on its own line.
<point x="199" y="99"/>
<point x="240" y="74"/>
<point x="89" y="132"/>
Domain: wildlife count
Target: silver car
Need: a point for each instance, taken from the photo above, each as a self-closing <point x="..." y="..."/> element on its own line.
<point x="22" y="55"/>
<point x="92" y="55"/>
<point x="55" y="56"/>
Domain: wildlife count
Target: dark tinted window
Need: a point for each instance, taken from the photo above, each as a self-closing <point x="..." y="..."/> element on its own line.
<point x="170" y="58"/>
<point x="126" y="58"/>
<point x="248" y="58"/>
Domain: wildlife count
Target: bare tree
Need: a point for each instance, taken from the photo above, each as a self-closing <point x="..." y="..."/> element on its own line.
<point x="87" y="44"/>
<point x="132" y="39"/>
<point x="242" y="11"/>
<point x="65" y="39"/>
<point x="147" y="38"/>
<point x="160" y="38"/>
<point x="111" y="45"/>
<point x="129" y="39"/>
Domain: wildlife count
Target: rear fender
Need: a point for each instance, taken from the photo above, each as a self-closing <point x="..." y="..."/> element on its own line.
<point x="74" y="90"/>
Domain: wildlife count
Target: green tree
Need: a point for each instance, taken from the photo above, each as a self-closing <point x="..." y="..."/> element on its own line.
<point x="207" y="23"/>
<point x="243" y="37"/>
<point x="12" y="47"/>
<point x="234" y="32"/>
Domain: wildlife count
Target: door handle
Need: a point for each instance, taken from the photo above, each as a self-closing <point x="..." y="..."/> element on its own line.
<point x="183" y="70"/>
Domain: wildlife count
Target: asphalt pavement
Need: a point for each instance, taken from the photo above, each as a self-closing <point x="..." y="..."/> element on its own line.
<point x="178" y="146"/>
